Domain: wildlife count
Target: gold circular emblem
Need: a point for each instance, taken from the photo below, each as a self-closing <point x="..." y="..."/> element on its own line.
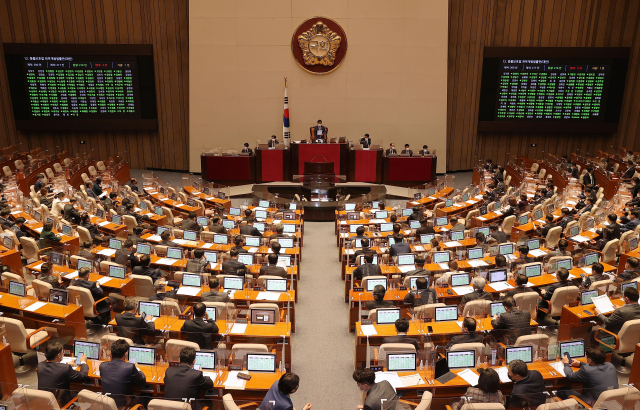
<point x="319" y="45"/>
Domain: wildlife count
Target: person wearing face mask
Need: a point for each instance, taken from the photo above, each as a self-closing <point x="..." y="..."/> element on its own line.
<point x="376" y="393"/>
<point x="319" y="132"/>
<point x="184" y="381"/>
<point x="278" y="396"/>
<point x="391" y="150"/>
<point x="528" y="386"/>
<point x="54" y="376"/>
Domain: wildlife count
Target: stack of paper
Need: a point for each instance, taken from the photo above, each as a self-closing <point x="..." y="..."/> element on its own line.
<point x="476" y="263"/>
<point x="180" y="241"/>
<point x="349" y="251"/>
<point x="412" y="380"/>
<point x="603" y="304"/>
<point x="419" y="248"/>
<point x="463" y="290"/>
<point x="559" y="367"/>
<point x="470" y="376"/>
<point x="39" y="230"/>
<point x="103" y="223"/>
<point x="207" y="245"/>
<point x="377" y="221"/>
<point x="188" y="290"/>
<point x="470" y="202"/>
<point x="443" y="266"/>
<point x="268" y="296"/>
<point x="107" y="252"/>
<point x="103" y="280"/>
<point x="579" y="238"/>
<point x="233" y="382"/>
<point x="406" y="268"/>
<point x="537" y="253"/>
<point x="503" y="372"/>
<point x="500" y="286"/>
<point x="239" y="328"/>
<point x="71" y="275"/>
<point x="391" y="377"/>
<point x="368" y="330"/>
<point x="165" y="261"/>
<point x="587" y="269"/>
<point x="452" y="244"/>
<point x="154" y="238"/>
<point x="35" y="306"/>
<point x="443" y="229"/>
<point x="481" y="218"/>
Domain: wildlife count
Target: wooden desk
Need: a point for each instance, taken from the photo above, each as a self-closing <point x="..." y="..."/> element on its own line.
<point x="176" y="207"/>
<point x="459" y="208"/>
<point x="408" y="171"/>
<point x="228" y="169"/>
<point x="8" y="379"/>
<point x="429" y="201"/>
<point x="578" y="316"/>
<point x="208" y="200"/>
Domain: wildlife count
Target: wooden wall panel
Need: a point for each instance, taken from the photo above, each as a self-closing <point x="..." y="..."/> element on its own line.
<point x="474" y="24"/>
<point x="161" y="23"/>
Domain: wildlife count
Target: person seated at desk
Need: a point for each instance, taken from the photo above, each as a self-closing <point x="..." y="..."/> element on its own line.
<point x="275" y="247"/>
<point x="547" y="227"/>
<point x="517" y="321"/>
<point x="478" y="283"/>
<point x="183" y="382"/>
<point x="397" y="229"/>
<point x="88" y="188"/>
<point x="378" y="301"/>
<point x="419" y="262"/>
<point x="391" y="150"/>
<point x="39" y="183"/>
<point x="481" y="242"/>
<point x="634" y="221"/>
<point x="630" y="271"/>
<point x="524" y="258"/>
<point x="238" y="244"/>
<point x="249" y="230"/>
<point x="457" y="225"/>
<point x="399" y="247"/>
<point x="501" y="261"/>
<point x="487" y="390"/>
<point x="215" y="225"/>
<point x="109" y="202"/>
<point x="145" y="268"/>
<point x="630" y="156"/>
<point x="214" y="294"/>
<point x="598" y="245"/>
<point x="368" y="268"/>
<point x="85" y="250"/>
<point x="365" y="141"/>
<point x="319" y="132"/>
<point x="131" y="326"/>
<point x="246" y="149"/>
<point x="523" y="203"/>
<point x="46" y="275"/>
<point x="402" y="327"/>
<point x="160" y="287"/>
<point x="273" y="142"/>
<point x="4" y="218"/>
<point x="272" y="269"/>
<point x="563" y="244"/>
<point x="233" y="266"/>
<point x="133" y="184"/>
<point x="363" y="250"/>
<point x="248" y="216"/>
<point x="597" y="274"/>
<point x="453" y="269"/>
<point x="528" y="386"/>
<point x="165" y="239"/>
<point x="117" y="376"/>
<point x="83" y="281"/>
<point x="197" y="264"/>
<point x="630" y="172"/>
<point x="521" y="287"/>
<point x="629" y="311"/>
<point x="495" y="232"/>
<point x="416" y="215"/>
<point x="200" y="329"/>
<point x="85" y="222"/>
<point x="375" y="392"/>
<point x="468" y="335"/>
<point x="407" y="150"/>
<point x="422" y="295"/>
<point x="190" y="223"/>
<point x="587" y="208"/>
<point x="47" y="233"/>
<point x="126" y="256"/>
<point x="277" y="398"/>
<point x="42" y="197"/>
<point x="597" y="375"/>
<point x="563" y="281"/>
<point x="279" y="233"/>
<point x="425" y="228"/>
<point x="424" y="150"/>
<point x="613" y="224"/>
<point x="589" y="180"/>
<point x="56" y="377"/>
<point x="96" y="187"/>
<point x="565" y="215"/>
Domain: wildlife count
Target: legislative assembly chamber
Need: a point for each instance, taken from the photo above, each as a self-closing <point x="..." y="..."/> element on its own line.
<point x="327" y="204"/>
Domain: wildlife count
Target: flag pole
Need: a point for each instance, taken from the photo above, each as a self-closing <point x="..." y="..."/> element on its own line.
<point x="286" y="134"/>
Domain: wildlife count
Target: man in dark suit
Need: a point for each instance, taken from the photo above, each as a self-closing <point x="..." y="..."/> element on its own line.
<point x="468" y="335"/>
<point x="416" y="215"/>
<point x="574" y="171"/>
<point x="278" y="396"/>
<point x="131" y="326"/>
<point x="422" y="295"/>
<point x="70" y="213"/>
<point x="630" y="311"/>
<point x="378" y="299"/>
<point x="528" y="388"/>
<point x="233" y="266"/>
<point x="407" y="150"/>
<point x="630" y="172"/>
<point x="545" y="229"/>
<point x="319" y="132"/>
<point x="191" y="224"/>
<point x="379" y="396"/>
<point x="249" y="230"/>
<point x="161" y="291"/>
<point x="273" y="141"/>
<point x="133" y="184"/>
<point x="565" y="217"/>
<point x="587" y="208"/>
<point x="126" y="256"/>
<point x="597" y="375"/>
<point x="521" y="286"/>
<point x="497" y="234"/>
<point x="96" y="187"/>
<point x="214" y="294"/>
<point x="478" y="284"/>
<point x="402" y="327"/>
<point x="634" y="221"/>
<point x="589" y="180"/>
<point x="365" y="141"/>
<point x="368" y="268"/>
<point x="246" y="149"/>
<point x="279" y="233"/>
<point x="55" y="377"/>
<point x="424" y="150"/>
<point x="117" y="376"/>
<point x="183" y="382"/>
<point x="200" y="329"/>
<point x="145" y="270"/>
<point x="425" y="229"/>
<point x="516" y="321"/>
<point x="419" y="262"/>
<point x="215" y="225"/>
<point x="630" y="271"/>
<point x="83" y="281"/>
<point x="563" y="281"/>
<point x="391" y="150"/>
<point x="39" y="183"/>
<point x="363" y="250"/>
<point x="197" y="264"/>
<point x="614" y="225"/>
<point x="399" y="247"/>
<point x="272" y="269"/>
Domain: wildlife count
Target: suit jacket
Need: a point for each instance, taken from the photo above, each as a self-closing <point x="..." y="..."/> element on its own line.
<point x="424" y="230"/>
<point x="54" y="376"/>
<point x="424" y="152"/>
<point x="97" y="189"/>
<point x="234" y="267"/>
<point x="154" y="274"/>
<point x="596" y="378"/>
<point x="629" y="173"/>
<point x="123" y="256"/>
<point x="134" y="327"/>
<point x="215" y="296"/>
<point x="616" y="229"/>
<point x="184" y="382"/>
<point x="545" y="229"/>
<point x="475" y="295"/>
<point x="191" y="225"/>
<point x="71" y="214"/>
<point x="282" y="401"/>
<point x="528" y="392"/>
<point x="49" y="236"/>
<point x="499" y="236"/>
<point x="323" y="132"/>
<point x="164" y="295"/>
<point x="515" y="291"/>
<point x="117" y="377"/>
<point x="247" y="150"/>
<point x="365" y="142"/>
<point x="378" y="391"/>
<point x="517" y="321"/>
<point x="624" y="313"/>
<point x="575" y="173"/>
<point x="217" y="228"/>
<point x="564" y="221"/>
<point x="402" y="339"/>
<point x="588" y="179"/>
<point x="134" y="188"/>
<point x="200" y="331"/>
<point x="379" y="304"/>
<point x="273" y="270"/>
<point x="367" y="269"/>
<point x="391" y="151"/>
<point x="470" y="337"/>
<point x="398" y="248"/>
<point x="407" y="151"/>
<point x="249" y="230"/>
<point x="272" y="143"/>
<point x="457" y="228"/>
<point x="552" y="288"/>
<point x="96" y="292"/>
<point x="421" y="297"/>
<point x="630" y="226"/>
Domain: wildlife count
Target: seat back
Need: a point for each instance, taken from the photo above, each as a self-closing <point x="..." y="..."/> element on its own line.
<point x="104" y="266"/>
<point x="601" y="284"/>
<point x="624" y="398"/>
<point x="393" y="348"/>
<point x="143" y="285"/>
<point x="130" y="222"/>
<point x="368" y="278"/>
<point x="174" y="346"/>
<point x="50" y="173"/>
<point x="159" y="404"/>
<point x="96" y="401"/>
<point x="86" y="299"/>
<point x="169" y="308"/>
<point x="477" y="307"/>
<point x="609" y="251"/>
<point x="30" y="248"/>
<point x="100" y="166"/>
<point x="228" y="403"/>
<point x="109" y="338"/>
<point x="32" y="399"/>
<point x="83" y="234"/>
<point x="483" y="406"/>
<point x="427" y="310"/>
<point x="561" y="297"/>
<point x="167" y="212"/>
<point x="570" y="404"/>
<point x="92" y="171"/>
<point x="16" y="334"/>
<point x="629" y="336"/>
<point x="507" y="224"/>
<point x="8" y="276"/>
<point x="478" y="347"/>
<point x="553" y="236"/>
<point x="538" y="341"/>
<point x="240" y="350"/>
<point x="527" y="301"/>
<point x="7" y="171"/>
<point x="407" y="280"/>
<point x="41" y="288"/>
<point x="258" y="306"/>
<point x="569" y="226"/>
<point x="534" y="167"/>
<point x="58" y="168"/>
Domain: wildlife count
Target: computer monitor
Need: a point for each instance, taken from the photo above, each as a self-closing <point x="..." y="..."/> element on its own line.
<point x="442" y="221"/>
<point x="191" y="280"/>
<point x="506" y="248"/>
<point x="276" y="285"/>
<point x="212" y="313"/>
<point x="162" y="229"/>
<point x="426" y="238"/>
<point x="263" y="363"/>
<point x="143" y="206"/>
<point x="414" y="279"/>
<point x="56" y="258"/>
<point x="386" y="227"/>
<point x="382" y="214"/>
<point x="157" y="210"/>
<point x="401" y="362"/>
<point x="457" y="235"/>
<point x="349" y="207"/>
<point x="446" y="313"/>
<point x="537" y="214"/>
<point x="465" y="197"/>
<point x="407" y="211"/>
<point x="497" y="275"/>
<point x="202" y="221"/>
<point x="288" y="228"/>
<point x="533" y="244"/>
<point x="633" y="243"/>
<point x="524" y="219"/>
<point x="524" y="353"/>
<point x="115" y="244"/>
<point x="587" y="296"/>
<point x="7" y="241"/>
<point x="533" y="270"/>
<point x="17" y="288"/>
<point x="263" y="204"/>
<point x="205" y="360"/>
<point x="483" y="230"/>
<point x="67" y="230"/>
<point x="353" y="216"/>
<point x="475" y="253"/>
<point x="221" y="195"/>
<point x="288" y="216"/>
<point x="116" y="271"/>
<point x="375" y="260"/>
<point x="591" y="258"/>
<point x="461" y="359"/>
<point x="497" y="308"/>
<point x="83" y="263"/>
<point x="100" y="213"/>
<point x="246" y="258"/>
<point x="233" y="283"/>
<point x="413" y="224"/>
<point x="551" y="207"/>
<point x="263" y="316"/>
<point x="116" y="219"/>
<point x="460" y="279"/>
<point x="575" y="348"/>
<point x="228" y="224"/>
<point x="89" y="349"/>
<point x="484" y="209"/>
<point x="261" y="214"/>
<point x="260" y="226"/>
<point x="574" y="230"/>
<point x="564" y="263"/>
<point x="284" y="259"/>
<point x="58" y="296"/>
<point x="591" y="223"/>
<point x="358" y="243"/>
<point x="220" y="239"/>
<point x="372" y="283"/>
<point x="190" y="235"/>
<point x="149" y="308"/>
<point x="431" y="192"/>
<point x="211" y="257"/>
<point x="406" y="259"/>
<point x="293" y="206"/>
<point x="174" y="253"/>
<point x="285" y="243"/>
<point x="375" y="204"/>
<point x="387" y="316"/>
<point x="234" y="211"/>
<point x="142" y="355"/>
<point x="37" y="216"/>
<point x="252" y="241"/>
<point x="441" y="257"/>
<point x="628" y="285"/>
<point x="354" y="227"/>
<point x="143" y="249"/>
<point x="448" y="203"/>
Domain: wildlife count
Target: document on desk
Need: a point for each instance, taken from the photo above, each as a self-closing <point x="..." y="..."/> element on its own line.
<point x="406" y="268"/>
<point x="503" y="372"/>
<point x="154" y="238"/>
<point x="469" y="376"/>
<point x="368" y="330"/>
<point x="481" y="218"/>
<point x="587" y="269"/>
<point x="180" y="241"/>
<point x="71" y="275"/>
<point x="233" y="382"/>
<point x="477" y="263"/>
<point x="259" y="208"/>
<point x="500" y="286"/>
<point x="212" y="375"/>
<point x="579" y="238"/>
<point x="107" y="252"/>
<point x="603" y="304"/>
<point x="188" y="290"/>
<point x="537" y="253"/>
<point x="103" y="223"/>
<point x="559" y="367"/>
<point x="411" y="380"/>
<point x="452" y="244"/>
<point x="253" y="249"/>
<point x="35" y="306"/>
<point x="349" y="251"/>
<point x="268" y="296"/>
<point x="444" y="266"/>
<point x="419" y="248"/>
<point x="377" y="221"/>
<point x="207" y="245"/>
<point x="462" y="290"/>
<point x="391" y="377"/>
<point x="165" y="261"/>
<point x="470" y="202"/>
<point x="239" y="328"/>
<point x="103" y="280"/>
<point x="383" y="249"/>
<point x="39" y="230"/>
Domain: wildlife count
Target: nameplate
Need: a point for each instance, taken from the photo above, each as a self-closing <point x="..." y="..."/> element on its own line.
<point x="183" y="316"/>
<point x="241" y="320"/>
<point x="426" y="319"/>
<point x="358" y="289"/>
<point x="233" y="367"/>
<point x="258" y="288"/>
<point x="366" y="322"/>
<point x="377" y="368"/>
<point x="174" y="364"/>
<point x="403" y="288"/>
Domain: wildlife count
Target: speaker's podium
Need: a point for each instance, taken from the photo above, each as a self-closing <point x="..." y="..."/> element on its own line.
<point x="319" y="181"/>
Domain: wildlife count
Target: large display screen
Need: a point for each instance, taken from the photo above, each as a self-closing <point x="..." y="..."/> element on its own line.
<point x="544" y="89"/>
<point x="82" y="87"/>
